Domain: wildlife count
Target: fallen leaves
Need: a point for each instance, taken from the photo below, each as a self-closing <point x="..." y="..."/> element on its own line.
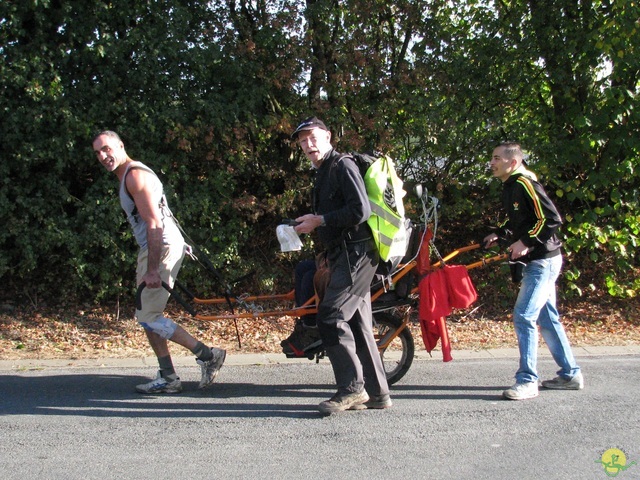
<point x="92" y="332"/>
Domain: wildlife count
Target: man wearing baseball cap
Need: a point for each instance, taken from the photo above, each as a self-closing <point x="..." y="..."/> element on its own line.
<point x="345" y="323"/>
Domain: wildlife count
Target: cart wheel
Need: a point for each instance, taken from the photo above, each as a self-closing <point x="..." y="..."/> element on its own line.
<point x="398" y="355"/>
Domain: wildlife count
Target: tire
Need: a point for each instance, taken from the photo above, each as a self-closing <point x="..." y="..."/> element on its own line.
<point x="398" y="356"/>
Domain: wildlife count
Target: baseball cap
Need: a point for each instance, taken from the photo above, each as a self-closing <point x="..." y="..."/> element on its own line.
<point x="309" y="124"/>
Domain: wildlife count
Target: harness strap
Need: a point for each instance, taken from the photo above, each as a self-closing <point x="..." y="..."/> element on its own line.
<point x="163" y="200"/>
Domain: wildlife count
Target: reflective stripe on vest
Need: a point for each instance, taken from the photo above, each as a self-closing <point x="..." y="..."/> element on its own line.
<point x="386" y="224"/>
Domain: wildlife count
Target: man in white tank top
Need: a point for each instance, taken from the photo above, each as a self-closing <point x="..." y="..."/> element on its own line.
<point x="162" y="250"/>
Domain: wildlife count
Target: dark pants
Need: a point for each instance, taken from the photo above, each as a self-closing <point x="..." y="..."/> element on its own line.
<point x="345" y="321"/>
<point x="304" y="272"/>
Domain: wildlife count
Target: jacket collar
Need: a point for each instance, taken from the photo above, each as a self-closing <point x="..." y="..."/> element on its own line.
<point x="521" y="171"/>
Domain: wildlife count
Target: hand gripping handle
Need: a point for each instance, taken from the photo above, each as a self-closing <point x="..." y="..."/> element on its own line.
<point x="171" y="291"/>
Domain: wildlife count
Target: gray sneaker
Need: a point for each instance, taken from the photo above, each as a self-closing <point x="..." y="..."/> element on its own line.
<point x="160" y="385"/>
<point x="521" y="391"/>
<point x="343" y="401"/>
<point x="560" y="383"/>
<point x="210" y="368"/>
<point x="375" y="402"/>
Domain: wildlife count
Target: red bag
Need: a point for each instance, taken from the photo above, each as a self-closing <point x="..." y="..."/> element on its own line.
<point x="461" y="291"/>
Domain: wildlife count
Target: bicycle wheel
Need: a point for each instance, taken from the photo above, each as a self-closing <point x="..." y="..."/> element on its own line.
<point x="398" y="355"/>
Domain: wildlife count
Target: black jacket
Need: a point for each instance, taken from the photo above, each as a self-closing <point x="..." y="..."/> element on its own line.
<point x="340" y="196"/>
<point x="532" y="217"/>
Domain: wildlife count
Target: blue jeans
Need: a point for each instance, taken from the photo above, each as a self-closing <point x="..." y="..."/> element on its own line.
<point x="536" y="306"/>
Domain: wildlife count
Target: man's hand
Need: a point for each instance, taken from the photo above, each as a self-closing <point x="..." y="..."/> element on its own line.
<point x="308" y="223"/>
<point x="490" y="240"/>
<point x="152" y="279"/>
<point x="518" y="250"/>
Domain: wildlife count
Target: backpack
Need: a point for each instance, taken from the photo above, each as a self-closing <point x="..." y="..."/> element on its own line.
<point x="384" y="188"/>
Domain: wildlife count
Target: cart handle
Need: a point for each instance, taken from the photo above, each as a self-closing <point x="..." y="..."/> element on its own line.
<point x="172" y="293"/>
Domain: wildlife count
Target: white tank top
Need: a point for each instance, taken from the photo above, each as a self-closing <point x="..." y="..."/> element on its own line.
<point x="170" y="233"/>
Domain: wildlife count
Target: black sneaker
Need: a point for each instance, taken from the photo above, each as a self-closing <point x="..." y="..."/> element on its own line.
<point x="302" y="339"/>
<point x="297" y="330"/>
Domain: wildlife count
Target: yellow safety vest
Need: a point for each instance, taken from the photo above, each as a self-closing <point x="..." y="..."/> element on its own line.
<point x="386" y="223"/>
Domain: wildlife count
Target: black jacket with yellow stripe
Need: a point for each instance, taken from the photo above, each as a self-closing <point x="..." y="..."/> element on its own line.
<point x="532" y="216"/>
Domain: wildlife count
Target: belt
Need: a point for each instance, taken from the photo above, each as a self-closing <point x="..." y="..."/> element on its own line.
<point x="343" y="243"/>
<point x="371" y="245"/>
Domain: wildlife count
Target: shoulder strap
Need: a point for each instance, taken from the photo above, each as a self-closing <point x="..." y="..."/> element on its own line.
<point x="163" y="200"/>
<point x="124" y="185"/>
<point x="135" y="166"/>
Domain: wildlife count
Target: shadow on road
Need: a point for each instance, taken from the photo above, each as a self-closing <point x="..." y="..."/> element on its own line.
<point x="114" y="396"/>
<point x="448" y="392"/>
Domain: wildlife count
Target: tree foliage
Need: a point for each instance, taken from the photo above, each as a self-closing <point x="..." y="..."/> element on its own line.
<point x="208" y="93"/>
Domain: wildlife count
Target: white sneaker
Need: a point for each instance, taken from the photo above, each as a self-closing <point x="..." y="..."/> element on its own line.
<point x="560" y="383"/>
<point x="160" y="385"/>
<point x="521" y="391"/>
<point x="210" y="368"/>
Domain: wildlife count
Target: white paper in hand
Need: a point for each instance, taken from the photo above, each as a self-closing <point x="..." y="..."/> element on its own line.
<point x="288" y="238"/>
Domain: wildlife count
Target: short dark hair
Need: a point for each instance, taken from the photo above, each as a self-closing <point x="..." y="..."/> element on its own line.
<point x="513" y="149"/>
<point x="108" y="133"/>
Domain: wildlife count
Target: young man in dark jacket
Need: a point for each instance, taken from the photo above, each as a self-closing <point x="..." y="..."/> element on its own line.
<point x="341" y="209"/>
<point x="536" y="259"/>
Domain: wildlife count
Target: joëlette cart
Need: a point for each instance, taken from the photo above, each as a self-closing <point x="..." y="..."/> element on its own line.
<point x="393" y="297"/>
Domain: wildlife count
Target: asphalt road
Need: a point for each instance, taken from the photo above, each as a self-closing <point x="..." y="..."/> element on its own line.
<point x="260" y="421"/>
